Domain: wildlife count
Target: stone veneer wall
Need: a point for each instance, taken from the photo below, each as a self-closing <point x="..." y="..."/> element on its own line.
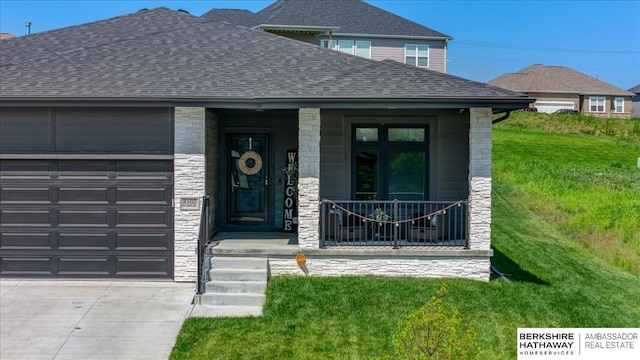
<point x="480" y="179"/>
<point x="475" y="268"/>
<point x="189" y="181"/>
<point x="309" y="178"/>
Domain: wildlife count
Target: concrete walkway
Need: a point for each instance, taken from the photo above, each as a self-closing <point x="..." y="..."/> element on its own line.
<point x="91" y="319"/>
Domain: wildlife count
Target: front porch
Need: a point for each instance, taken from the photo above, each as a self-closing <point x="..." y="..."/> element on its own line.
<point x="435" y="162"/>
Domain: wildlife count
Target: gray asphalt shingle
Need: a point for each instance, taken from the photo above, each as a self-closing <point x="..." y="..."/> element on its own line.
<point x="351" y="16"/>
<point x="165" y="54"/>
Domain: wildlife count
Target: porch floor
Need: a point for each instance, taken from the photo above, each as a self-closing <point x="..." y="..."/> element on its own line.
<point x="285" y="244"/>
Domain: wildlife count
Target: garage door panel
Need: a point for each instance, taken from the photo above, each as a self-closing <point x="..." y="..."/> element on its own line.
<point x="89" y="196"/>
<point x="83" y="241"/>
<point x="83" y="170"/>
<point x="151" y="241"/>
<point x="83" y="218"/>
<point x="143" y="170"/>
<point x="26" y="240"/>
<point x="138" y="195"/>
<point x="31" y="195"/>
<point x="23" y="170"/>
<point x="143" y="267"/>
<point x="143" y="219"/>
<point x="84" y="265"/>
<point x="31" y="218"/>
<point x="26" y="265"/>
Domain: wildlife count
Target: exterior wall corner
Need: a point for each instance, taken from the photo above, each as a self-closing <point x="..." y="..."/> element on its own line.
<point x="189" y="181"/>
<point x="309" y="178"/>
<point x="480" y="145"/>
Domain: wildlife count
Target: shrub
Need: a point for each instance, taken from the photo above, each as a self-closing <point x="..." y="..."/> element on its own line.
<point x="434" y="331"/>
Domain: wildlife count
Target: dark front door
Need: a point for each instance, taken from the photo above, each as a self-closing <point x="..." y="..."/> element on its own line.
<point x="248" y="179"/>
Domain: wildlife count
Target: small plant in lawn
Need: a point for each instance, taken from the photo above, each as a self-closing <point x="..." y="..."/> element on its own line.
<point x="434" y="331"/>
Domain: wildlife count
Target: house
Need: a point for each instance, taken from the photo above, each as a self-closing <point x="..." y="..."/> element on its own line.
<point x="635" y="101"/>
<point x="350" y="26"/>
<point x="559" y="87"/>
<point x="119" y="138"/>
<point x="4" y="36"/>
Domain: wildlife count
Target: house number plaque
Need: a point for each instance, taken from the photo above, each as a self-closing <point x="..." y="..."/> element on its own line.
<point x="189" y="203"/>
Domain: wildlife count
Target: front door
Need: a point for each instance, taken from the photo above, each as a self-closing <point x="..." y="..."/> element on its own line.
<point x="248" y="179"/>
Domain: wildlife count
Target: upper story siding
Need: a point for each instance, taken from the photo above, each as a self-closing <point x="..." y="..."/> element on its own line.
<point x="394" y="49"/>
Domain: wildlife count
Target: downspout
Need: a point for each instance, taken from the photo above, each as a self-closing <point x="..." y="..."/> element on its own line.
<point x="502" y="118"/>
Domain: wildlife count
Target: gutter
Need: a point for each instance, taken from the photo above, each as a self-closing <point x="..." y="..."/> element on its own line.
<point x="502" y="118"/>
<point x="265" y="103"/>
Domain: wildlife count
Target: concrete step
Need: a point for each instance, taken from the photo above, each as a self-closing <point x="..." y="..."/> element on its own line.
<point x="238" y="274"/>
<point x="232" y="299"/>
<point x="222" y="262"/>
<point x="240" y="287"/>
<point x="227" y="311"/>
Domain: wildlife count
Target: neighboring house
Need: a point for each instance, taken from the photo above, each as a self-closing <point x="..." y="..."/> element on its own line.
<point x="635" y="101"/>
<point x="4" y="36"/>
<point x="350" y="26"/>
<point x="559" y="87"/>
<point x="112" y="132"/>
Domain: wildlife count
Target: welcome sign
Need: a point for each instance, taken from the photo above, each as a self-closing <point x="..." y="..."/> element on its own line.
<point x="290" y="214"/>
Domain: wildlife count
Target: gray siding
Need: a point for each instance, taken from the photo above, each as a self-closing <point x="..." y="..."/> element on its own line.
<point x="448" y="150"/>
<point x="452" y="175"/>
<point x="86" y="130"/>
<point x="393" y="49"/>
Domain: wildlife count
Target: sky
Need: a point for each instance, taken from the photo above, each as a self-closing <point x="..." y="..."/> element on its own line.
<point x="490" y="38"/>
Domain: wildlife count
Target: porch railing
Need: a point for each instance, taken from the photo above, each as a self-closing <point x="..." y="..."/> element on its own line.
<point x="203" y="240"/>
<point x="393" y="223"/>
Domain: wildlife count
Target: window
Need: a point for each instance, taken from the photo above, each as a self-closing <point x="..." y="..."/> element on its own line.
<point x="390" y="162"/>
<point x="353" y="47"/>
<point x="416" y="55"/>
<point x="596" y="104"/>
<point x="619" y="105"/>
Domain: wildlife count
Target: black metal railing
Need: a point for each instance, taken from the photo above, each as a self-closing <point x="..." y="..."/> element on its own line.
<point x="203" y="240"/>
<point x="393" y="223"/>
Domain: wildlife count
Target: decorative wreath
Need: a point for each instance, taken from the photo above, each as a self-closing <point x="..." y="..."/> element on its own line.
<point x="253" y="169"/>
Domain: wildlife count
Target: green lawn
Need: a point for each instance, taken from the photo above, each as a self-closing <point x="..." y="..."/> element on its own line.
<point x="558" y="280"/>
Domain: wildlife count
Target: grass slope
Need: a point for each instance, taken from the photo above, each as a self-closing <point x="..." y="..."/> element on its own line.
<point x="557" y="282"/>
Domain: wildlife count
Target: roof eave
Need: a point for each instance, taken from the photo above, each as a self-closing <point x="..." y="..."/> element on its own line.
<point x="275" y="103"/>
<point x="383" y="36"/>
<point x="302" y="28"/>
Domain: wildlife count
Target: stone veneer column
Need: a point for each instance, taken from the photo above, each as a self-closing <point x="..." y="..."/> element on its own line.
<point x="189" y="181"/>
<point x="309" y="178"/>
<point x="480" y="178"/>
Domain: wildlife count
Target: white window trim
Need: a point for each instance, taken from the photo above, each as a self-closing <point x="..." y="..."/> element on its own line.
<point x="354" y="47"/>
<point x="615" y="104"/>
<point x="596" y="99"/>
<point x="416" y="45"/>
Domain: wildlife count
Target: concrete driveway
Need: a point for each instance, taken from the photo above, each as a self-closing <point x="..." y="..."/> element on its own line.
<point x="91" y="319"/>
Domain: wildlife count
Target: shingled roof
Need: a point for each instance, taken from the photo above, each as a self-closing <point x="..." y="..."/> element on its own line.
<point x="349" y="16"/>
<point x="555" y="79"/>
<point x="168" y="56"/>
<point x="635" y="89"/>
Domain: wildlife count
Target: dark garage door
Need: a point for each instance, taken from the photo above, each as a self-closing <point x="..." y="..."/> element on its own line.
<point x="86" y="218"/>
<point x="86" y="192"/>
